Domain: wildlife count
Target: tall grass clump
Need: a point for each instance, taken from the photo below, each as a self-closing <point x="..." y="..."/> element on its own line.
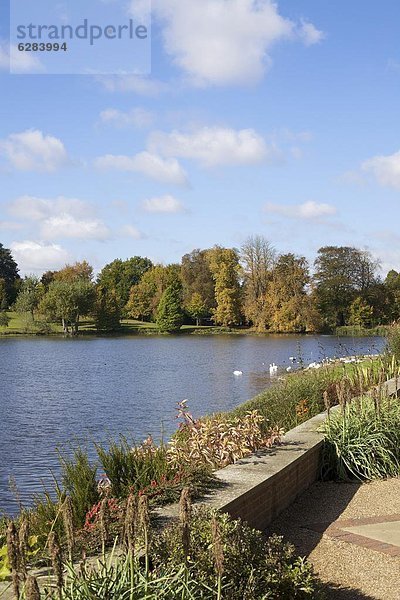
<point x="362" y="440"/>
<point x="79" y="479"/>
<point x="393" y="341"/>
<point x="132" y="468"/>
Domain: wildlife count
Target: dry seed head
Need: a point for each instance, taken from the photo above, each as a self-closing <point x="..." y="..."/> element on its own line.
<point x="218" y="548"/>
<point x="13" y="545"/>
<point x="56" y="560"/>
<point x="32" y="591"/>
<point x="13" y="555"/>
<point x="23" y="539"/>
<point x="130" y="523"/>
<point x="68" y="520"/>
<point x="144" y="512"/>
<point x="104" y="515"/>
<point x="185" y="510"/>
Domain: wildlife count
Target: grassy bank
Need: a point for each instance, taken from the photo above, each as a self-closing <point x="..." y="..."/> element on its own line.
<point x="23" y="325"/>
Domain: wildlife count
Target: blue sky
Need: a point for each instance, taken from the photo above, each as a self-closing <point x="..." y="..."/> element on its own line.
<point x="279" y="119"/>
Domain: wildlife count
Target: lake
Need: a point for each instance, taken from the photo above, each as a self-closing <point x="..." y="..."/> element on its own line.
<point x="56" y="391"/>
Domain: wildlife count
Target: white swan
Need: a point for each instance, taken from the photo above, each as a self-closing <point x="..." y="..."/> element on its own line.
<point x="238" y="373"/>
<point x="289" y="369"/>
<point x="273" y="369"/>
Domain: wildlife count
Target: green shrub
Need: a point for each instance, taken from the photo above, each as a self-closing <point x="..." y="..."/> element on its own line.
<point x="362" y="441"/>
<point x="253" y="567"/>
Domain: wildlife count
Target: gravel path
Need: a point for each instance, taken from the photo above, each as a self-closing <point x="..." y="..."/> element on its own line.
<point x="351" y="571"/>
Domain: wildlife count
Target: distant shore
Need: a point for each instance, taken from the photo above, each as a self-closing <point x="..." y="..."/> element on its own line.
<point x="20" y="326"/>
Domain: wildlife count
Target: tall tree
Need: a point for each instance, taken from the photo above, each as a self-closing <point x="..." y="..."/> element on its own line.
<point x="291" y="306"/>
<point x="258" y="258"/>
<point x="169" y="313"/>
<point x="121" y="275"/>
<point x="9" y="273"/>
<point x="225" y="269"/>
<point x="341" y="274"/>
<point x="198" y="285"/>
<point x="106" y="310"/>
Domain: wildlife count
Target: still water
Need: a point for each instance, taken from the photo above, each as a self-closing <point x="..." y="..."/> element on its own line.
<point x="57" y="391"/>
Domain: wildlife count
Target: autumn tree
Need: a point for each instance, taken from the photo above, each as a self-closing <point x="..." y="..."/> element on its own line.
<point x="145" y="297"/>
<point x="170" y="315"/>
<point x="290" y="304"/>
<point x="360" y="313"/>
<point x="198" y="285"/>
<point x="121" y="275"/>
<point x="258" y="257"/>
<point x="9" y="274"/>
<point x="79" y="271"/>
<point x="225" y="269"/>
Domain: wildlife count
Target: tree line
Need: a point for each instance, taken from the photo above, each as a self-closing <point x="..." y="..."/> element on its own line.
<point x="254" y="286"/>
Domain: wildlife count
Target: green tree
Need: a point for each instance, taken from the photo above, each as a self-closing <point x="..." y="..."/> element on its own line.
<point x="9" y="274"/>
<point x="3" y="295"/>
<point x="106" y="310"/>
<point x="145" y="297"/>
<point x="361" y="313"/>
<point x="225" y="269"/>
<point x="68" y="301"/>
<point x="198" y="282"/>
<point x="197" y="308"/>
<point x="342" y="274"/>
<point x="121" y="275"/>
<point x="30" y="295"/>
<point x="258" y="258"/>
<point x="170" y="315"/>
<point x="392" y="293"/>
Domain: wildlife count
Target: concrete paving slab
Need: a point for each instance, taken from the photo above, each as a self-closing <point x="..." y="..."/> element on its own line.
<point x="387" y="532"/>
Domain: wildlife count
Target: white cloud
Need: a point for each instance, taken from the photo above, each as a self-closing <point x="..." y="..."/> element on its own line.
<point x="386" y="169"/>
<point x="66" y="226"/>
<point x="37" y="209"/>
<point x="21" y="62"/>
<point x="132" y="232"/>
<point x="163" y="204"/>
<point x="308" y="210"/>
<point x="149" y="164"/>
<point x="221" y="42"/>
<point x="213" y="146"/>
<point x="39" y="256"/>
<point x="310" y="34"/>
<point x="60" y="217"/>
<point x="136" y="117"/>
<point x="31" y="150"/>
<point x="143" y="86"/>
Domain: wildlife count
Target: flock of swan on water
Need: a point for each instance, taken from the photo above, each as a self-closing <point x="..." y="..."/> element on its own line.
<point x="273" y="368"/>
